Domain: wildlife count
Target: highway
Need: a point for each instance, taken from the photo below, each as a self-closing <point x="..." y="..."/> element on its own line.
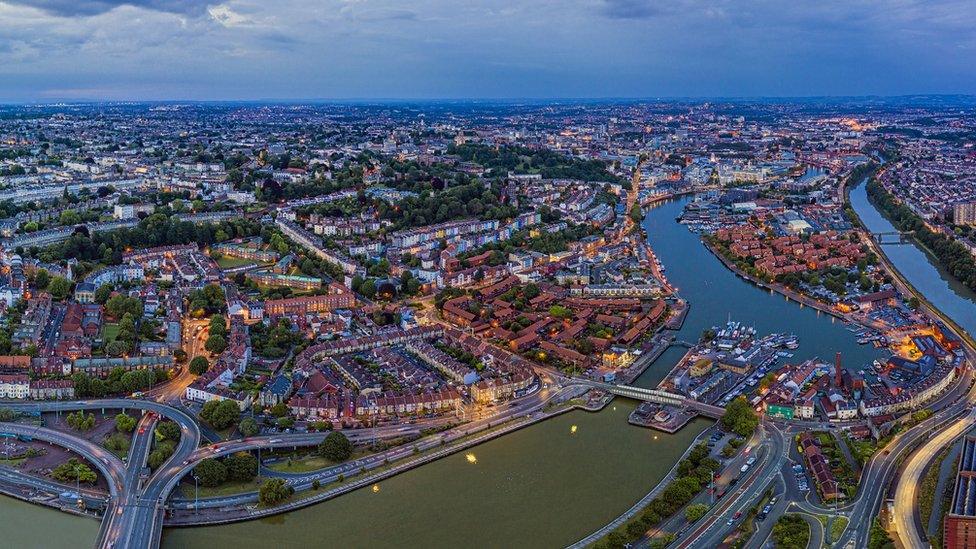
<point x="711" y="530"/>
<point x="906" y="490"/>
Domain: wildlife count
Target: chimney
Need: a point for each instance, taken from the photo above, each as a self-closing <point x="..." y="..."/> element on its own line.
<point x="838" y="380"/>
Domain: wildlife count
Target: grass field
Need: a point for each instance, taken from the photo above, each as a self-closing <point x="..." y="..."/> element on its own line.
<point x="110" y="332"/>
<point x="227" y="262"/>
<point x="226" y="489"/>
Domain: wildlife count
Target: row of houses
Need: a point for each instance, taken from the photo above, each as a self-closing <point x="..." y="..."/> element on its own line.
<point x="21" y="386"/>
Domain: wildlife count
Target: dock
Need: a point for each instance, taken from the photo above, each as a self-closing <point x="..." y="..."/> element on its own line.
<point x="668" y="419"/>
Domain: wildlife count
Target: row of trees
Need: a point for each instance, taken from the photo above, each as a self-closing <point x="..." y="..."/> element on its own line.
<point x="155" y="230"/>
<point x="118" y="381"/>
<point x="695" y="472"/>
<point x="80" y="421"/>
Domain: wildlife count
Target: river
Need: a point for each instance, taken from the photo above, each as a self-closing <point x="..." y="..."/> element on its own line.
<point x="541" y="486"/>
<point x="917" y="265"/>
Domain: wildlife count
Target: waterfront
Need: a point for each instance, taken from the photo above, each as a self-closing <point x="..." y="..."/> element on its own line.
<point x="918" y="267"/>
<point x="542" y="485"/>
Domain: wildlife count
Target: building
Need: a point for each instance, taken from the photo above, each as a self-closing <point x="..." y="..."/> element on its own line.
<point x="964" y="213"/>
<point x="14" y="386"/>
<point x="269" y="278"/>
<point x="960" y="520"/>
<point x="275" y="391"/>
<point x="339" y="297"/>
<point x="52" y="389"/>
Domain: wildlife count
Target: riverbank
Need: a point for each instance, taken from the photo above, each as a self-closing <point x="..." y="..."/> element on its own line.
<point x="905" y="286"/>
<point x="776" y="288"/>
<point x="186" y="518"/>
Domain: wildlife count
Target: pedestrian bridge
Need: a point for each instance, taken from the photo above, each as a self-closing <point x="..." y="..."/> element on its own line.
<point x="657" y="396"/>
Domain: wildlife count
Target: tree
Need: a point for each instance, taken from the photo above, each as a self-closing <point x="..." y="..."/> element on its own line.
<point x="218" y="325"/>
<point x="740" y="418"/>
<point x="211" y="472"/>
<point x="159" y="456"/>
<point x="137" y="380"/>
<point x="279" y="410"/>
<point x="791" y="532"/>
<point x="169" y="430"/>
<point x="119" y="305"/>
<point x="695" y="511"/>
<point x="249" y="427"/>
<point x="636" y="215"/>
<point x="878" y="537"/>
<point x="220" y="414"/>
<point x="59" y="287"/>
<point x="336" y="447"/>
<point x="274" y="491"/>
<point x="80" y="421"/>
<point x="215" y="344"/>
<point x="42" y="279"/>
<point x="199" y="365"/>
<point x="125" y="423"/>
<point x="74" y="470"/>
<point x="103" y="293"/>
<point x="241" y="466"/>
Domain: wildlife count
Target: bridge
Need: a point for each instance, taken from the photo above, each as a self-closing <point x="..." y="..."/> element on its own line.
<point x="879" y="237"/>
<point x="657" y="396"/>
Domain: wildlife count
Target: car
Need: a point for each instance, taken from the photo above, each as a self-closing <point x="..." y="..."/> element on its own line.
<point x="751" y="460"/>
<point x="737" y="514"/>
<point x="772" y="501"/>
<point x="731" y="520"/>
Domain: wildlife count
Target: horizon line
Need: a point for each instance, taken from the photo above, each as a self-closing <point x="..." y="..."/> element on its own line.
<point x="446" y="99"/>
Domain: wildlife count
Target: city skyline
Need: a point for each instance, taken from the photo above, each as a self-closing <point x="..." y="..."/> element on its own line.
<point x="366" y="50"/>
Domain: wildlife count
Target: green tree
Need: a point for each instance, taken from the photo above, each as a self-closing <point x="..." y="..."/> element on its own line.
<point x="336" y="447"/>
<point x="241" y="466"/>
<point x="103" y="293"/>
<point x="740" y="418"/>
<point x="211" y="472"/>
<point x="74" y="470"/>
<point x="695" y="511"/>
<point x="125" y="423"/>
<point x="215" y="344"/>
<point x="169" y="430"/>
<point x="42" y="279"/>
<point x="199" y="365"/>
<point x="59" y="287"/>
<point x="249" y="427"/>
<point x="220" y="414"/>
<point x="160" y="454"/>
<point x="274" y="491"/>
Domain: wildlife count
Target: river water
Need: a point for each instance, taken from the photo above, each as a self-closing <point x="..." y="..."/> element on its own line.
<point x="539" y="487"/>
<point x="949" y="295"/>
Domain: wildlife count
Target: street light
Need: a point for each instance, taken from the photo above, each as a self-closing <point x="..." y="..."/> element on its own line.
<point x="196" y="494"/>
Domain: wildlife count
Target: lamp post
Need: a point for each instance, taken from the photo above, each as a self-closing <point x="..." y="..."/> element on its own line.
<point x="196" y="494"/>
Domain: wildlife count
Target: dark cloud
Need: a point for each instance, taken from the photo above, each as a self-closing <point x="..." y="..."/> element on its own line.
<point x="631" y="9"/>
<point x="72" y="8"/>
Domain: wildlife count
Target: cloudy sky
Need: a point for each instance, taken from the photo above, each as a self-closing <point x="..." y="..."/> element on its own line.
<point x="307" y="49"/>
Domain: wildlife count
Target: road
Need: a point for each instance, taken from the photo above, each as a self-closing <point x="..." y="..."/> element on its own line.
<point x="906" y="513"/>
<point x="712" y="529"/>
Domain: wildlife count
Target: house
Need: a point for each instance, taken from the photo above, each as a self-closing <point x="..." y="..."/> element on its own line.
<point x="52" y="389"/>
<point x="14" y="386"/>
<point x="275" y="391"/>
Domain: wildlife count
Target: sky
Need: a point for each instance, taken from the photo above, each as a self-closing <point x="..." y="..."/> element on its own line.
<point x="53" y="50"/>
